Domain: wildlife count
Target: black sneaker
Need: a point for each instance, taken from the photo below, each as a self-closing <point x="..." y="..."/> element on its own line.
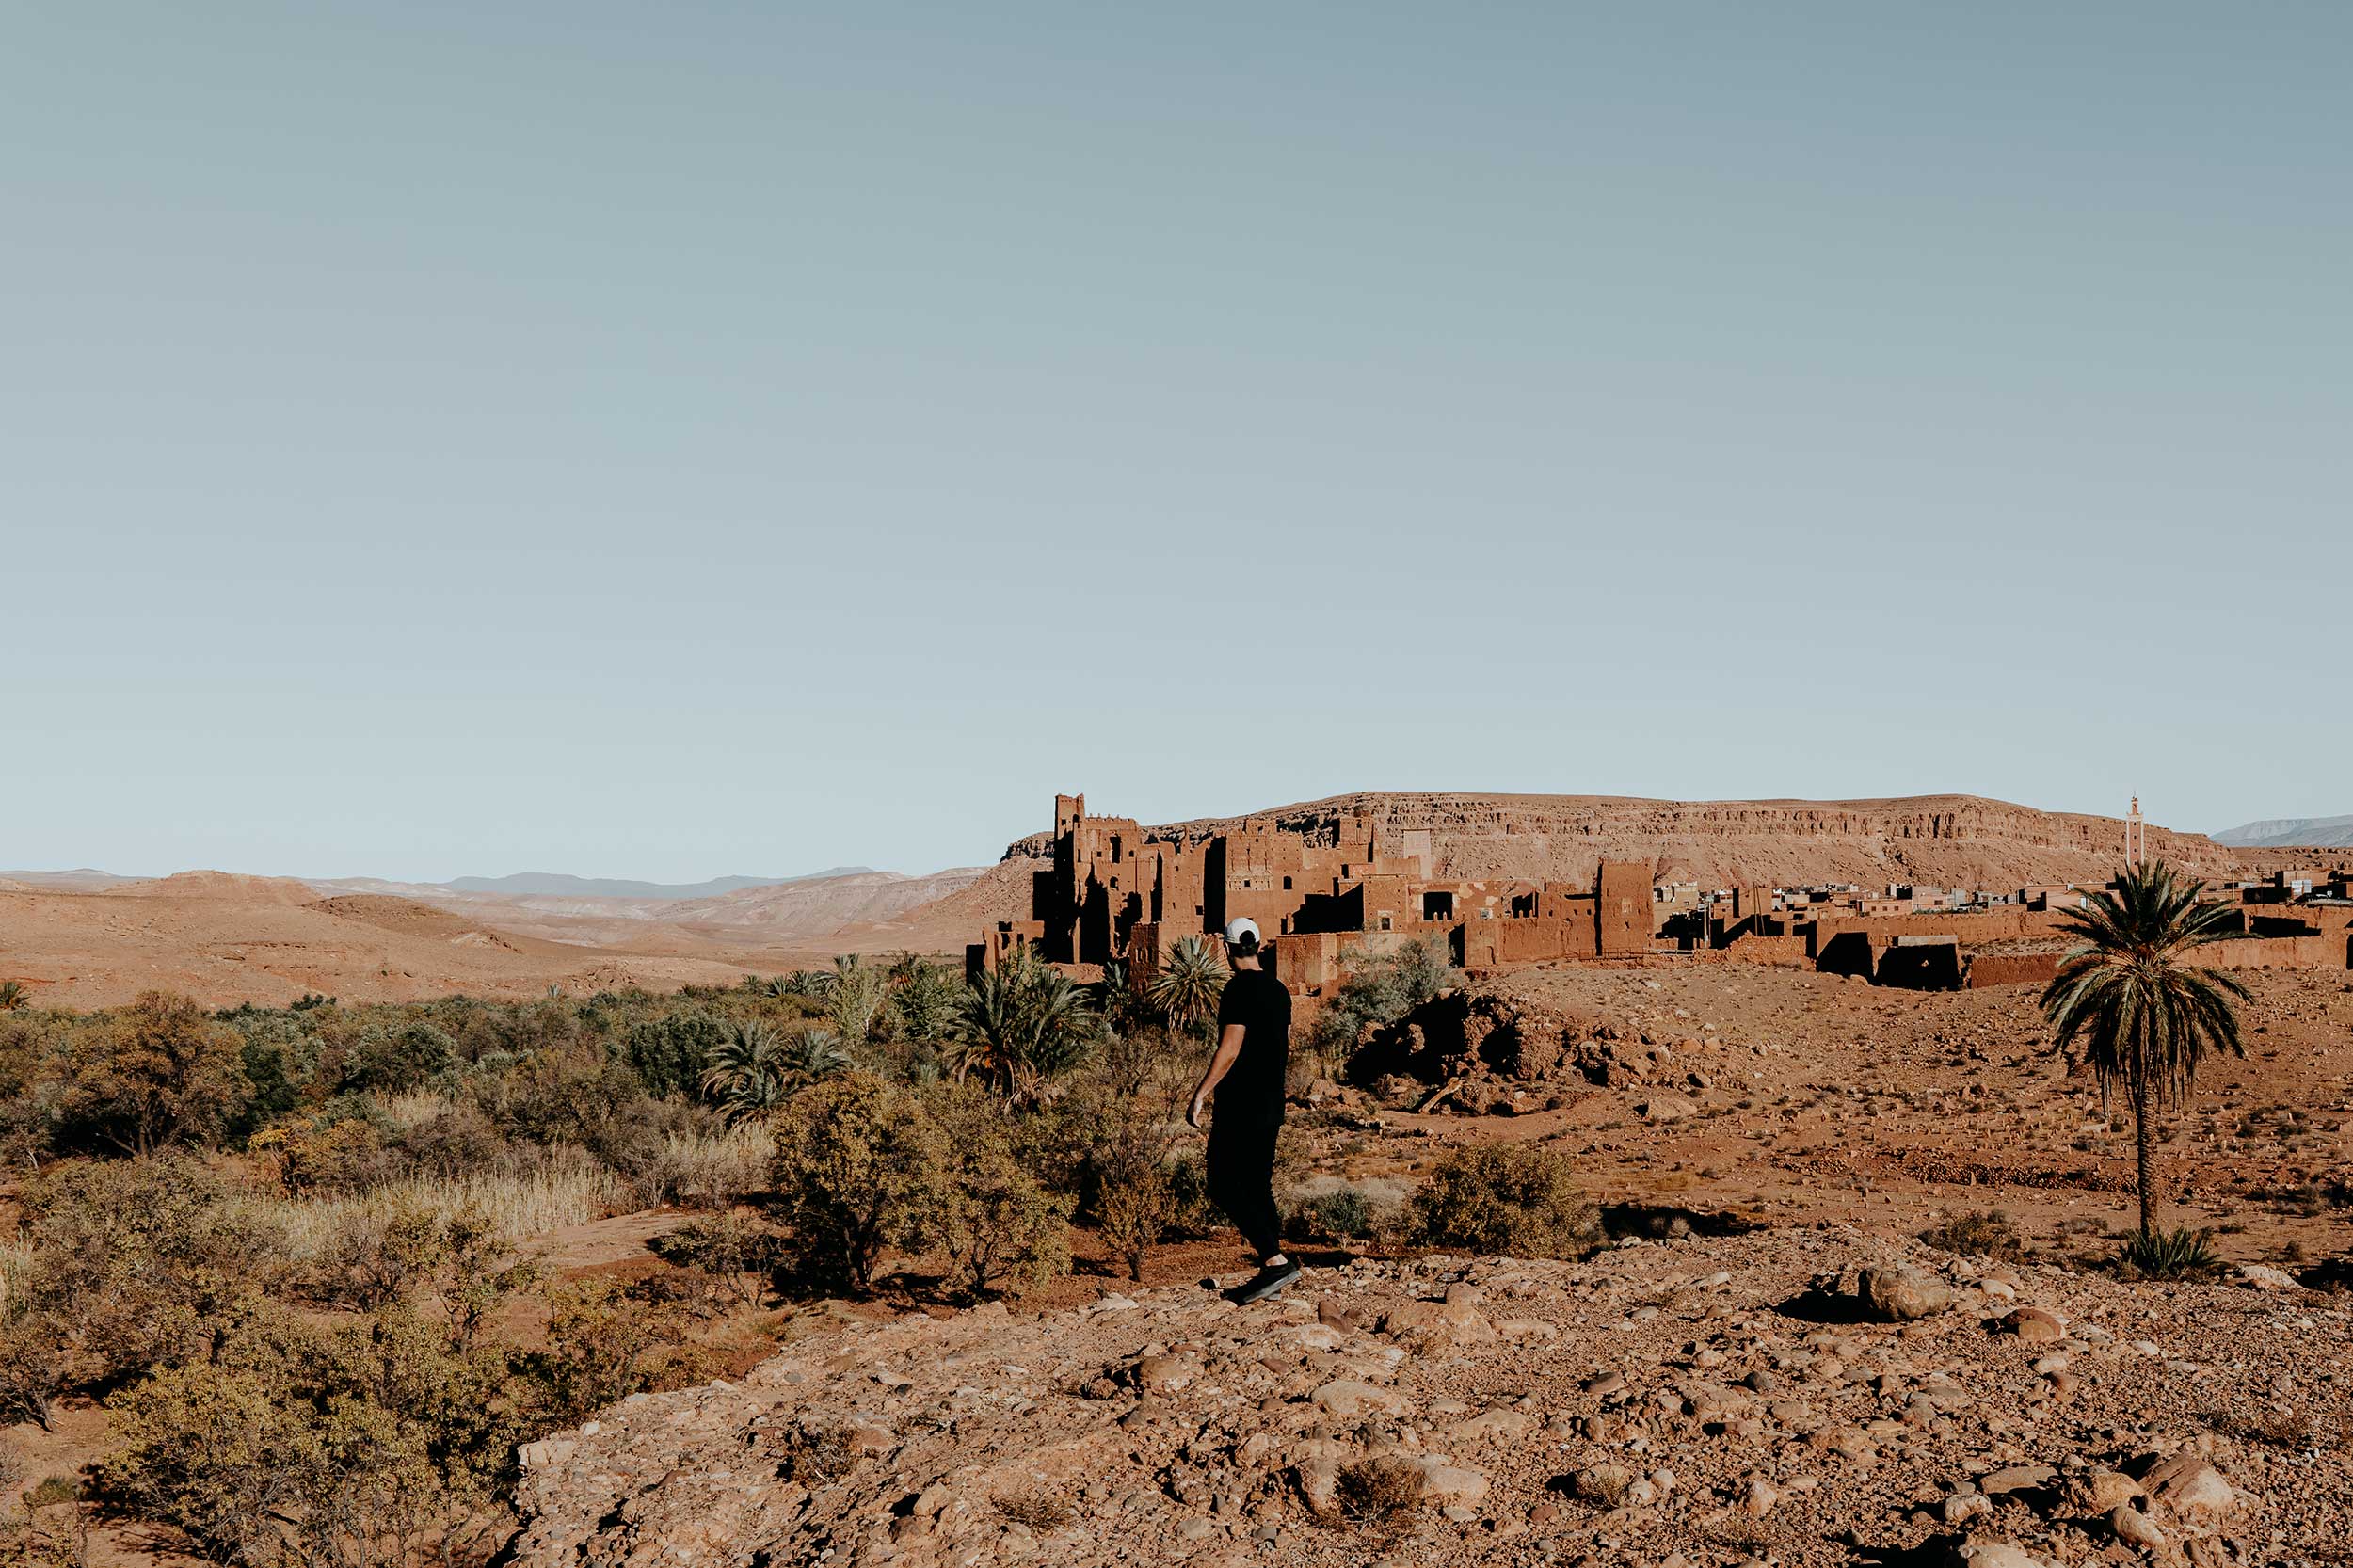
<point x="1267" y="1283"/>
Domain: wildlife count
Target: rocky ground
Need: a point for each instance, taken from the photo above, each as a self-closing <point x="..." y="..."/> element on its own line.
<point x="1698" y="1400"/>
<point x="1792" y="1097"/>
<point x="1685" y="1396"/>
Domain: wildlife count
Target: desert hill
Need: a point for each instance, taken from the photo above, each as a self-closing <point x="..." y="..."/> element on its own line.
<point x="217" y="886"/>
<point x="565" y="885"/>
<point x="786" y="913"/>
<point x="2290" y="832"/>
<point x="225" y="939"/>
<point x="1946" y="840"/>
<point x="91" y="940"/>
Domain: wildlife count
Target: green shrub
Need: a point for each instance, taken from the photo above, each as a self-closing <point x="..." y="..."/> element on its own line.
<point x="143" y="1078"/>
<point x="1507" y="1198"/>
<point x="144" y="1260"/>
<point x="390" y="1061"/>
<point x="857" y="1170"/>
<point x="1333" y="1209"/>
<point x="373" y="1256"/>
<point x="335" y="1448"/>
<point x="668" y="1054"/>
<point x="596" y="1340"/>
<point x="1376" y="992"/>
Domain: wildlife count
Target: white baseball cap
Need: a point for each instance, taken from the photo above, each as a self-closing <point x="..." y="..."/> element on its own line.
<point x="1243" y="935"/>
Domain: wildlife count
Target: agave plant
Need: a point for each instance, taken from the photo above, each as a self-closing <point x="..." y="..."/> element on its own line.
<point x="1191" y="978"/>
<point x="13" y="995"/>
<point x="2170" y="1253"/>
<point x="2144" y="1015"/>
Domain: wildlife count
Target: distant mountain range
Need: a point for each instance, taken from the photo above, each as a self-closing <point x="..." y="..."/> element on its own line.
<point x="560" y="885"/>
<point x="2285" y="832"/>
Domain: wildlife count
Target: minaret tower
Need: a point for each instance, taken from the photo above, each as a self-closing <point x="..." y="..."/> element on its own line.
<point x="2136" y="838"/>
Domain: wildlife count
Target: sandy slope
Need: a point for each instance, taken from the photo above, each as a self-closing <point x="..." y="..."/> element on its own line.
<point x="228" y="939"/>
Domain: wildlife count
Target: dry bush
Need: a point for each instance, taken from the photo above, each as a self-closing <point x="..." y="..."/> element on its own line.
<point x="1376" y="1491"/>
<point x="732" y="1251"/>
<point x="571" y="1190"/>
<point x="1989" y="1234"/>
<point x="712" y="1170"/>
<point x="2278" y="1427"/>
<point x="1036" y="1507"/>
<point x="812" y="1458"/>
<point x="1512" y="1199"/>
<point x="1333" y="1208"/>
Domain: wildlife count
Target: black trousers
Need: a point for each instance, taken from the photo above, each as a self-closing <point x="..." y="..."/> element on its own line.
<point x="1242" y="1177"/>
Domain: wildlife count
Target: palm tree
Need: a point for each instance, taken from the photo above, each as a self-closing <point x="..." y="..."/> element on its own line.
<point x="13" y="995"/>
<point x="817" y="1054"/>
<point x="1021" y="1023"/>
<point x="2146" y="1016"/>
<point x="1062" y="1022"/>
<point x="746" y="1071"/>
<point x="1192" y="978"/>
<point x="1116" y="1000"/>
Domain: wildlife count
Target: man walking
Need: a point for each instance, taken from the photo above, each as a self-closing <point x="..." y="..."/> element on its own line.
<point x="1246" y="1073"/>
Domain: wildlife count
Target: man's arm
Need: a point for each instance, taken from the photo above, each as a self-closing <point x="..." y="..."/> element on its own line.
<point x="1221" y="1063"/>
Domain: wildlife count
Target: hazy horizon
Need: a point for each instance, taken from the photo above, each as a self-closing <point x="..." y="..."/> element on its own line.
<point x="652" y="444"/>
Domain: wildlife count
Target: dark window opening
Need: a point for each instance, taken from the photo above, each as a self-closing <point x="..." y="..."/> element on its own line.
<point x="1437" y="906"/>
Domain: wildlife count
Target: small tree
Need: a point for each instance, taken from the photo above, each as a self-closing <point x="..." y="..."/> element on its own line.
<point x="2146" y="1016"/>
<point x="995" y="1222"/>
<point x="1379" y="991"/>
<point x="1134" y="1198"/>
<point x="857" y="1170"/>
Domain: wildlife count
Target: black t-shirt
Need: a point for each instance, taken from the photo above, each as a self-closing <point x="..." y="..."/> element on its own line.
<point x="1253" y="1090"/>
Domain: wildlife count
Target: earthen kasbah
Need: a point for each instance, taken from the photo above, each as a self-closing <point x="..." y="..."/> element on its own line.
<point x="1334" y="886"/>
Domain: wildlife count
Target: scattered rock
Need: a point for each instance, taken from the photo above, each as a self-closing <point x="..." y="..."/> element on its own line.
<point x="2033" y="1325"/>
<point x="2135" y="1528"/>
<point x="1348" y="1398"/>
<point x="2261" y="1276"/>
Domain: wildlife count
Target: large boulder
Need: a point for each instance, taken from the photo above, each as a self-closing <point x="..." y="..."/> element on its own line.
<point x="1890" y="1292"/>
<point x="1899" y="1293"/>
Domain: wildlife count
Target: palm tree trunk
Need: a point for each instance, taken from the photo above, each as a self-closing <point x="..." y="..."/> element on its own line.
<point x="2145" y="1147"/>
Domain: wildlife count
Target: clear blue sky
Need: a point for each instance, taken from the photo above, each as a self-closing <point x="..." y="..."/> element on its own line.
<point x="667" y="440"/>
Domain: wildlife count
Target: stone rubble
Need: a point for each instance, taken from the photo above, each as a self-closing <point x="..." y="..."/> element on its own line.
<point x="1704" y="1401"/>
